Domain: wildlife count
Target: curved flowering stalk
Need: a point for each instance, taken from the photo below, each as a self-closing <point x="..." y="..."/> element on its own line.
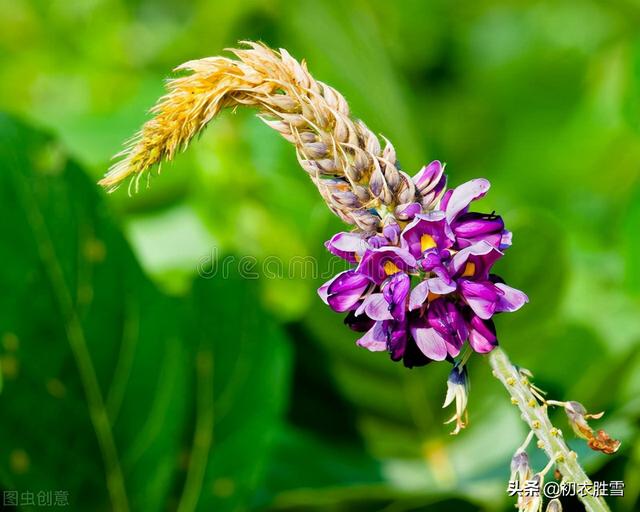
<point x="345" y="160"/>
<point x="420" y="286"/>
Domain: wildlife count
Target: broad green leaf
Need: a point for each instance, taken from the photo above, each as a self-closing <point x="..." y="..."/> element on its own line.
<point x="112" y="389"/>
<point x="96" y="375"/>
<point x="241" y="386"/>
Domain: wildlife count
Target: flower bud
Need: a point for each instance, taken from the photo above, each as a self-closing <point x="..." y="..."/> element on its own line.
<point x="365" y="220"/>
<point x="391" y="230"/>
<point x="458" y="390"/>
<point x="407" y="211"/>
<point x="554" y="506"/>
<point x="428" y="177"/>
<point x="377" y="183"/>
<point x="431" y="200"/>
<point x="520" y="469"/>
<point x="348" y="246"/>
<point x="531" y="500"/>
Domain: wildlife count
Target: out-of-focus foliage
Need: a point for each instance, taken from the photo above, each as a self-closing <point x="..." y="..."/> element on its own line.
<point x="181" y="402"/>
<point x="194" y="374"/>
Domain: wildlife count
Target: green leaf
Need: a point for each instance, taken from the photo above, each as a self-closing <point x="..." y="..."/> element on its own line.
<point x="111" y="387"/>
<point x="306" y="467"/>
<point x="103" y="375"/>
<point x="241" y="390"/>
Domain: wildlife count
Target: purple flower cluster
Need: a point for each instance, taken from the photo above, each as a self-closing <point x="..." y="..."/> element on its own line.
<point x="422" y="287"/>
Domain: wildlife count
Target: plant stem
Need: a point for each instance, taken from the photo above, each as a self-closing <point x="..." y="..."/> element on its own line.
<point x="550" y="438"/>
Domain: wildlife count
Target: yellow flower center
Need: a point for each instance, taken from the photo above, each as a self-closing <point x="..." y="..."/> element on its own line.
<point x="390" y="268"/>
<point x="427" y="242"/>
<point x="469" y="270"/>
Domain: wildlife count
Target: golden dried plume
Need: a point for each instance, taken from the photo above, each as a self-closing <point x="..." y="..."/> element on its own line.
<point x="343" y="158"/>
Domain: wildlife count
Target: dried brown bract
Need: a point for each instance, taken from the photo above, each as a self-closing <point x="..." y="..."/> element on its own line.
<point x="599" y="440"/>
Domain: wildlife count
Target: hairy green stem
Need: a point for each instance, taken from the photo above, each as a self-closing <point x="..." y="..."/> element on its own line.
<point x="550" y="438"/>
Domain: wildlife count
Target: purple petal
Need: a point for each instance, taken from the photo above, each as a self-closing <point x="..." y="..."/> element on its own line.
<point x="445" y="317"/>
<point x="373" y="263"/>
<point x="431" y="260"/>
<point x="443" y="274"/>
<point x="346" y="245"/>
<point x="375" y="339"/>
<point x="418" y="295"/>
<point x="347" y="281"/>
<point x="323" y="291"/>
<point x="482" y="297"/>
<point x="470" y="228"/>
<point x="473" y="225"/>
<point x="431" y="199"/>
<point x="429" y="341"/>
<point x="482" y="254"/>
<point x="375" y="307"/>
<point x="506" y="240"/>
<point x="445" y="199"/>
<point x="440" y="286"/>
<point x="377" y="241"/>
<point x="482" y="335"/>
<point x="429" y="227"/>
<point x="408" y="211"/>
<point x="343" y="302"/>
<point x="511" y="299"/>
<point x="464" y="194"/>
<point x="396" y="338"/>
<point x="392" y="232"/>
<point x="395" y="291"/>
<point x="428" y="177"/>
<point x="345" y="291"/>
<point x="360" y="323"/>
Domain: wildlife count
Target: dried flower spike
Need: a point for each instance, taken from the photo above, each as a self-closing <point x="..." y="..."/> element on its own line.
<point x="345" y="160"/>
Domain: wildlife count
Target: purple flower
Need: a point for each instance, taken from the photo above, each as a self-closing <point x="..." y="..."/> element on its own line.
<point x="482" y="335"/>
<point x="348" y="246"/>
<point x="470" y="228"/>
<point x="427" y="231"/>
<point x="395" y="291"/>
<point x="344" y="291"/>
<point x="379" y="263"/>
<point x="422" y="287"/>
<point x="430" y="183"/>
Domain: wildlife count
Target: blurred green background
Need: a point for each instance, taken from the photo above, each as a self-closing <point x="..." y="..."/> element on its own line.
<point x="235" y="394"/>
